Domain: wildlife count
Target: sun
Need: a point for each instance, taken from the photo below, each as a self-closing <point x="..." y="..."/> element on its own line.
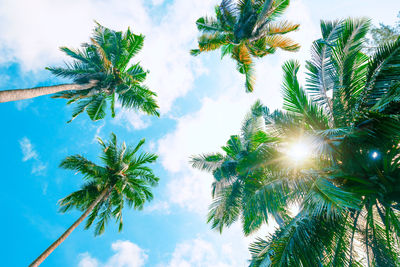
<point x="299" y="151"/>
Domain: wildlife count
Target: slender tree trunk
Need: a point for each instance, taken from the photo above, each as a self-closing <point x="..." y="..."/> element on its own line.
<point x="19" y="94"/>
<point x="104" y="195"/>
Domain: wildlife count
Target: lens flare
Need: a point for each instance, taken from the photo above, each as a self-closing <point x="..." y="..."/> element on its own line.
<point x="298" y="152"/>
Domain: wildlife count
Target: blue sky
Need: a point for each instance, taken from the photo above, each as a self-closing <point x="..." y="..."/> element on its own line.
<point x="202" y="102"/>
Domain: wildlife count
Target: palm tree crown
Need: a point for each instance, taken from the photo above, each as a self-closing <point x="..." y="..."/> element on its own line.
<point x="125" y="177"/>
<point x="106" y="60"/>
<point x="240" y="175"/>
<point x="350" y="109"/>
<point x="347" y="190"/>
<point x="244" y="30"/>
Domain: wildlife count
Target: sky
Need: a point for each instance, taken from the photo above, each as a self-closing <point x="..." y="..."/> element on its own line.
<point x="202" y="102"/>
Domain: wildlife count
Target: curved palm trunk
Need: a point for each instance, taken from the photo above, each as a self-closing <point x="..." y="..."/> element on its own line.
<point x="19" y="94"/>
<point x="104" y="195"/>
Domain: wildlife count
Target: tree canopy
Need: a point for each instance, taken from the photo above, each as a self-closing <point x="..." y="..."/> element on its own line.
<point x="346" y="187"/>
<point x="245" y="30"/>
<point x="106" y="59"/>
<point x="125" y="174"/>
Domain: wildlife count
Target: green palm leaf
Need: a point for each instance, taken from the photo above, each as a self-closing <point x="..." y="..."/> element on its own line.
<point x="105" y="59"/>
<point x="347" y="190"/>
<point x="246" y="29"/>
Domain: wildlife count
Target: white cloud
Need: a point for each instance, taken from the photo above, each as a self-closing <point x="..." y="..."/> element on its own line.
<point x="39" y="168"/>
<point x="207" y="129"/>
<point x="97" y="134"/>
<point x="152" y="145"/>
<point x="126" y="254"/>
<point x="47" y="25"/>
<point x="210" y="127"/>
<point x="213" y="249"/>
<point x="4" y="79"/>
<point x="167" y="44"/>
<point x="198" y="253"/>
<point x="87" y="261"/>
<point x="29" y="153"/>
<point x="27" y="149"/>
<point x="45" y="186"/>
<point x="190" y="191"/>
<point x="166" y="51"/>
<point x="157" y="2"/>
<point x="202" y="132"/>
<point x="132" y="120"/>
<point x="229" y="249"/>
<point x="158" y="206"/>
<point x="22" y="104"/>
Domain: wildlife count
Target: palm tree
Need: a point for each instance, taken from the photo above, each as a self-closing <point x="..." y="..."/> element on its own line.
<point x="241" y="178"/>
<point x="101" y="72"/>
<point x="347" y="190"/>
<point x="349" y="209"/>
<point x="383" y="34"/>
<point x="246" y="29"/>
<point x="125" y="178"/>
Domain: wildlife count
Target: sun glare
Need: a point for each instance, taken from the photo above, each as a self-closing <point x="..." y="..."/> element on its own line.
<point x="298" y="152"/>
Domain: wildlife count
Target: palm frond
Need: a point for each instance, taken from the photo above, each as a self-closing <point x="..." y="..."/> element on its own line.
<point x="134" y="43"/>
<point x="326" y="199"/>
<point x="294" y="244"/>
<point x="281" y="27"/>
<point x="97" y="107"/>
<point x="321" y="69"/>
<point x="224" y="209"/>
<point x="276" y="9"/>
<point x="226" y="13"/>
<point x="245" y="28"/>
<point x="126" y="176"/>
<point x="383" y="72"/>
<point x="106" y="61"/>
<point x="282" y="42"/>
<point x="296" y="100"/>
<point x="207" y="162"/>
<point x="141" y="98"/>
<point x="208" y="25"/>
<point x="351" y="64"/>
<point x="210" y="42"/>
<point x="82" y="165"/>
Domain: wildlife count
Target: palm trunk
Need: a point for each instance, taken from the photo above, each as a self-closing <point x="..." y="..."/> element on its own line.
<point x="104" y="195"/>
<point x="19" y="94"/>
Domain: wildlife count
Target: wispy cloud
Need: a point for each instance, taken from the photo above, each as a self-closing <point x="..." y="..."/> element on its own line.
<point x="22" y="104"/>
<point x="27" y="149"/>
<point x="39" y="168"/>
<point x="49" y="229"/>
<point x="98" y="131"/>
<point x="158" y="206"/>
<point x="29" y="153"/>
